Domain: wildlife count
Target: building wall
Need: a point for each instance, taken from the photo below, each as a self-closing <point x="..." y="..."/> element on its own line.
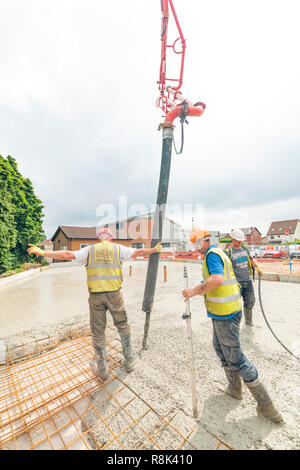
<point x="296" y="235"/>
<point x="76" y="244"/>
<point x="48" y="248"/>
<point x="254" y="238"/>
<point x="141" y="232"/>
<point x="61" y="242"/>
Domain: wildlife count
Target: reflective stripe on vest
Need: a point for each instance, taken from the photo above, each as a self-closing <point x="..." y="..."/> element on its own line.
<point x="225" y="299"/>
<point x="104" y="268"/>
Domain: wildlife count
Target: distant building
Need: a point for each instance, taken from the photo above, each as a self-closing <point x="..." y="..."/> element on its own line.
<point x="47" y="245"/>
<point x="276" y="233"/>
<point x="134" y="232"/>
<point x="252" y="235"/>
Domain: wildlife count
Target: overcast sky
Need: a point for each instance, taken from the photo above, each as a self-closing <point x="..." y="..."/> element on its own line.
<point x="77" y="107"/>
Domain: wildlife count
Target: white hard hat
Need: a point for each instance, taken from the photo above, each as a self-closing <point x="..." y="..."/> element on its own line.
<point x="238" y="235"/>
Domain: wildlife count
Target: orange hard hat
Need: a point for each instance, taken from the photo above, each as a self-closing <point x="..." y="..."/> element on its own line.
<point x="197" y="234"/>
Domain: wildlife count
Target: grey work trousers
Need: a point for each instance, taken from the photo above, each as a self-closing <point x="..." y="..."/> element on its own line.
<point x="99" y="303"/>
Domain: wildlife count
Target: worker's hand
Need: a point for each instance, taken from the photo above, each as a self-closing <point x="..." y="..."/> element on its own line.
<point x="259" y="270"/>
<point x="158" y="247"/>
<point x="35" y="250"/>
<point x="188" y="293"/>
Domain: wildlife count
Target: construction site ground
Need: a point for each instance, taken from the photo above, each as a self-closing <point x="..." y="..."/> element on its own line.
<point x="281" y="266"/>
<point x="50" y="399"/>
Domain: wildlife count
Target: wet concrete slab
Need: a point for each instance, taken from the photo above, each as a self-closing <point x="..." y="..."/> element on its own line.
<point x="48" y="296"/>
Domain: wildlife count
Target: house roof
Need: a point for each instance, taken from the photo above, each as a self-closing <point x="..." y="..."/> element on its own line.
<point x="279" y="227"/>
<point x="80" y="233"/>
<point x="249" y="230"/>
<point x="45" y="243"/>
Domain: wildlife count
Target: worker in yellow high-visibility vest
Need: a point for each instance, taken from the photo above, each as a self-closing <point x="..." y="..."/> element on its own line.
<point x="223" y="304"/>
<point x="103" y="263"/>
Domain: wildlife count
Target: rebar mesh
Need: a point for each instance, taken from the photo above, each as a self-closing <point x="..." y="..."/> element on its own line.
<point x="49" y="399"/>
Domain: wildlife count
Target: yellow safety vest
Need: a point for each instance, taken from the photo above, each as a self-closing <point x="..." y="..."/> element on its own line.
<point x="225" y="299"/>
<point x="104" y="268"/>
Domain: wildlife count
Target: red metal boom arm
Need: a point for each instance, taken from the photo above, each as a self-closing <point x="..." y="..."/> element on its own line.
<point x="170" y="99"/>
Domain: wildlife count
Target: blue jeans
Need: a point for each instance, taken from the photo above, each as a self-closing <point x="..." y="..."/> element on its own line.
<point x="226" y="341"/>
<point x="247" y="293"/>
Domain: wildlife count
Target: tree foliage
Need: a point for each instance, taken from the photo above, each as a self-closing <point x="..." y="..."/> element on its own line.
<point x="21" y="214"/>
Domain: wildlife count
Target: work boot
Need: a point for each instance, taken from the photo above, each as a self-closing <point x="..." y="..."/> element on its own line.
<point x="98" y="365"/>
<point x="265" y="405"/>
<point x="129" y="359"/>
<point x="248" y="316"/>
<point x="234" y="388"/>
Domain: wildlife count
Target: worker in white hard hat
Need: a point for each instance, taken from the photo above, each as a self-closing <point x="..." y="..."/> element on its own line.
<point x="223" y="304"/>
<point x="243" y="265"/>
<point x="103" y="263"/>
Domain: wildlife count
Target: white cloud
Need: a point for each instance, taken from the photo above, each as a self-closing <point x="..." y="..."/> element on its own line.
<point x="77" y="105"/>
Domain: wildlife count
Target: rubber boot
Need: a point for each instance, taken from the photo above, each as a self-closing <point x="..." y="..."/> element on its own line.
<point x="265" y="405"/>
<point x="129" y="359"/>
<point x="248" y="316"/>
<point x="234" y="388"/>
<point x="98" y="366"/>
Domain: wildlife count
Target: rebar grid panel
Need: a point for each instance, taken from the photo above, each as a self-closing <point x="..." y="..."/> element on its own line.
<point x="49" y="399"/>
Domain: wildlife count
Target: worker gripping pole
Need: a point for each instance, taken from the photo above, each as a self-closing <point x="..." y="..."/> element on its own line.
<point x="187" y="316"/>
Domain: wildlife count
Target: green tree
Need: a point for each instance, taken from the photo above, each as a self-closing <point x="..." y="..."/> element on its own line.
<point x="8" y="233"/>
<point x="27" y="210"/>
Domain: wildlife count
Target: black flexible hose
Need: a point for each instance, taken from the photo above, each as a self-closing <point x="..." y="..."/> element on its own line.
<point x="268" y="324"/>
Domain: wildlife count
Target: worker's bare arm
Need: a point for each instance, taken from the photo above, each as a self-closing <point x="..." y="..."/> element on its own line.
<point x="211" y="283"/>
<point x="143" y="252"/>
<point x="147" y="251"/>
<point x="60" y="255"/>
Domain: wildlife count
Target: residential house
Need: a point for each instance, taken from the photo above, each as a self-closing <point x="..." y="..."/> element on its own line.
<point x="277" y="231"/>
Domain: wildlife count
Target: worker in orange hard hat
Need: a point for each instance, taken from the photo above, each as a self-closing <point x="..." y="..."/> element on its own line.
<point x="223" y="304"/>
<point x="103" y="263"/>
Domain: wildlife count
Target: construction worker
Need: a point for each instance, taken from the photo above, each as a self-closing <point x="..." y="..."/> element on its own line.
<point x="243" y="265"/>
<point x="223" y="303"/>
<point x="103" y="263"/>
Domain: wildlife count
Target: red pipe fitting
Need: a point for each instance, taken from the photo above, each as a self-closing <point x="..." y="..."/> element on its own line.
<point x="197" y="110"/>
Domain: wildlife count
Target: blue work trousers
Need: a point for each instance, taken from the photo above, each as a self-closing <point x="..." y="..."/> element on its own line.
<point x="226" y="341"/>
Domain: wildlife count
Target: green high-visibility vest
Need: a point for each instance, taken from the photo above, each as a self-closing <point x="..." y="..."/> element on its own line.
<point x="225" y="299"/>
<point x="104" y="268"/>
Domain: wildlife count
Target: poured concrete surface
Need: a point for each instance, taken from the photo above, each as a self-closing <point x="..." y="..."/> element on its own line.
<point x="162" y="374"/>
<point x="45" y="297"/>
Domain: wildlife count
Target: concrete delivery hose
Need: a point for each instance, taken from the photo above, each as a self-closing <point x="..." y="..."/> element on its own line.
<point x="266" y="320"/>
